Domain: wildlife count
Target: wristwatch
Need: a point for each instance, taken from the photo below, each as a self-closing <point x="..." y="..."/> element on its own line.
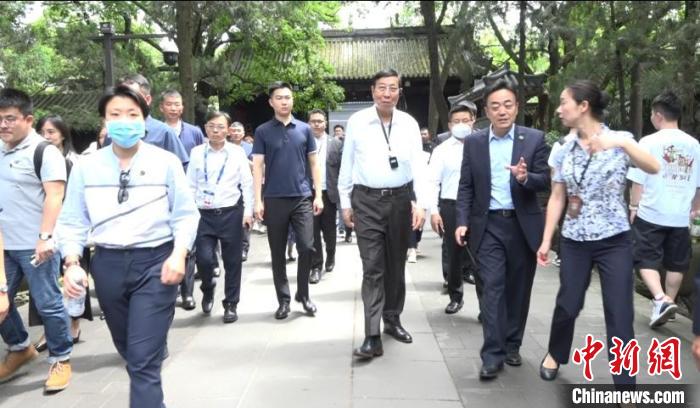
<point x="4" y="289"/>
<point x="45" y="236"/>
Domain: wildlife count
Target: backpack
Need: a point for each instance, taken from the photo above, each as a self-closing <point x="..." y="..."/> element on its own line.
<point x="39" y="159"/>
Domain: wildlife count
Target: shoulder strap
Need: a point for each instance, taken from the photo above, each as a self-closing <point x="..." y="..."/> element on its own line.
<point x="39" y="158"/>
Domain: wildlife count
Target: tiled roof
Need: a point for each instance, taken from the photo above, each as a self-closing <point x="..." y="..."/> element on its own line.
<point x="83" y="101"/>
<point x="359" y="54"/>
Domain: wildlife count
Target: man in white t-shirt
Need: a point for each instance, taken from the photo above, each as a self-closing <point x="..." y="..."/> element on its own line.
<point x="660" y="206"/>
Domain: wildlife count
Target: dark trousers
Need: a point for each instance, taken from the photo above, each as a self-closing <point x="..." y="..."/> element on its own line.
<point x="324" y="223"/>
<point x="222" y="226"/>
<point x="506" y="272"/>
<point x="245" y="240"/>
<point x="280" y="213"/>
<point x="187" y="284"/>
<point x="138" y="310"/>
<point x="382" y="225"/>
<point x="613" y="256"/>
<point x="415" y="236"/>
<point x="453" y="254"/>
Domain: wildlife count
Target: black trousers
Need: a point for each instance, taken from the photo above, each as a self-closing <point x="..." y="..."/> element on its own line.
<point x="382" y="224"/>
<point x="280" y="213"/>
<point x="222" y="226"/>
<point x="506" y="271"/>
<point x="324" y="223"/>
<point x="613" y="256"/>
<point x="453" y="255"/>
<point x="187" y="284"/>
<point x="138" y="310"/>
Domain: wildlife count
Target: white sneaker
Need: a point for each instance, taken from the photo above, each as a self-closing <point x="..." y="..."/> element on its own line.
<point x="412" y="257"/>
<point x="660" y="312"/>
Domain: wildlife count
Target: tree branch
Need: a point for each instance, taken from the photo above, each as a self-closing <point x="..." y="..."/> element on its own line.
<point x="442" y="13"/>
<point x="504" y="43"/>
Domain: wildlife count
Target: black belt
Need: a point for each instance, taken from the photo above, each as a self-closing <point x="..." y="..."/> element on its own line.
<point x="382" y="192"/>
<point x="217" y="211"/>
<point x="503" y="213"/>
<point x="448" y="201"/>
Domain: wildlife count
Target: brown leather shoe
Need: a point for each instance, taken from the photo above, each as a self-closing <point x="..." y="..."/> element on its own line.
<point x="14" y="361"/>
<point x="59" y="376"/>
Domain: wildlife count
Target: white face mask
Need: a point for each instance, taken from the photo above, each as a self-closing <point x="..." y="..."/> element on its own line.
<point x="460" y="131"/>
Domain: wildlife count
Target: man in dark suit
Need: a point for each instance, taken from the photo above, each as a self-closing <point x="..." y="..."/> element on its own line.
<point x="503" y="168"/>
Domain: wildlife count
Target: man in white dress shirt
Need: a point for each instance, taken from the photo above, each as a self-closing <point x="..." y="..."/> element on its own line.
<point x="220" y="178"/>
<point x="382" y="166"/>
<point x="444" y="169"/>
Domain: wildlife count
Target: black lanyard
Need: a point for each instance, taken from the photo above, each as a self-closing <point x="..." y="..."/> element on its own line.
<point x="585" y="166"/>
<point x="381" y="123"/>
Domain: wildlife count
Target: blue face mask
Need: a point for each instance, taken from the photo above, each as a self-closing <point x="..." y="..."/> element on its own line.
<point x="126" y="133"/>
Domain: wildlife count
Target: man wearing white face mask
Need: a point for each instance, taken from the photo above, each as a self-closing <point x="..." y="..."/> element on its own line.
<point x="444" y="169"/>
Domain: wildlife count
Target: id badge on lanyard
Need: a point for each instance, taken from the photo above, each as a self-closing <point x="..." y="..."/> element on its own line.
<point x="573" y="209"/>
<point x="208" y="192"/>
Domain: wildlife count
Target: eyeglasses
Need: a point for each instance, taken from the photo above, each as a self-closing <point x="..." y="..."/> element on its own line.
<point x="123" y="193"/>
<point x="10" y="120"/>
<point x="383" y="89"/>
<point x="218" y="128"/>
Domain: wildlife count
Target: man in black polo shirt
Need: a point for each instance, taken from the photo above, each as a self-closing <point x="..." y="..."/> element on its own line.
<point x="286" y="148"/>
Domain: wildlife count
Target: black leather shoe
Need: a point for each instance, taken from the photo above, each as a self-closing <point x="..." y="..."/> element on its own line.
<point x="41" y="346"/>
<point x="513" y="359"/>
<point x="548" y="374"/>
<point x="468" y="277"/>
<point x="315" y="276"/>
<point x="307" y="304"/>
<point x="454" y="307"/>
<point x="398" y="332"/>
<point x="230" y="314"/>
<point x="282" y="311"/>
<point x="330" y="266"/>
<point x="207" y="303"/>
<point x="244" y="256"/>
<point x="489" y="372"/>
<point x="348" y="239"/>
<point x="188" y="303"/>
<point x="370" y="348"/>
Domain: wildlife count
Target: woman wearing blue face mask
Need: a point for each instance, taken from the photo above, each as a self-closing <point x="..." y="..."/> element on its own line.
<point x="136" y="200"/>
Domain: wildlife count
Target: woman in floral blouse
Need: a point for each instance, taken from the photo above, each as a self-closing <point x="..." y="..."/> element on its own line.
<point x="590" y="171"/>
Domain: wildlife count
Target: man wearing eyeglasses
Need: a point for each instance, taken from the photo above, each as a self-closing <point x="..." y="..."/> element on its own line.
<point x="220" y="178"/>
<point x="382" y="169"/>
<point x="287" y="150"/>
<point x="30" y="206"/>
<point x="328" y="153"/>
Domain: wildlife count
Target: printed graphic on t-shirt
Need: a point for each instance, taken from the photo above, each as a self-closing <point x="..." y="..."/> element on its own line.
<point x="678" y="166"/>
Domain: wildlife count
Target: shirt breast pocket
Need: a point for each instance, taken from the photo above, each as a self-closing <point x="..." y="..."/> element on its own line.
<point x="23" y="171"/>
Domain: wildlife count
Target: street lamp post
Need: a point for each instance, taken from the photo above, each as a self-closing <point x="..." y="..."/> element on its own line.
<point x="108" y="38"/>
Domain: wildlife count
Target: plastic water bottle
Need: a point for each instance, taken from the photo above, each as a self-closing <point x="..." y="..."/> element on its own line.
<point x="76" y="306"/>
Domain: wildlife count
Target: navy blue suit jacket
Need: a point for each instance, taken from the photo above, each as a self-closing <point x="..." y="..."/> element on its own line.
<point x="474" y="195"/>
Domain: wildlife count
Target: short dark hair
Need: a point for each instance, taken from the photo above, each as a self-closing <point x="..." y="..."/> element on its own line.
<point x="218" y="114"/>
<point x="585" y="90"/>
<point x="169" y="93"/>
<point x="62" y="127"/>
<point x="237" y="124"/>
<point x="278" y="85"/>
<point x="14" y="98"/>
<point x="385" y="73"/>
<point x="317" y="112"/>
<point x="425" y="128"/>
<point x="461" y="108"/>
<point x="338" y="126"/>
<point x="139" y="80"/>
<point x="125" y="92"/>
<point x="668" y="105"/>
<point x="498" y="85"/>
